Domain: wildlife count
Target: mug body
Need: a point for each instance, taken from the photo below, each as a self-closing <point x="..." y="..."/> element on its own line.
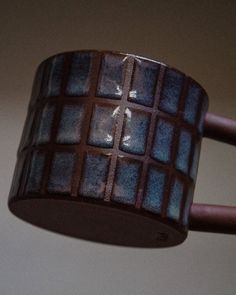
<point x="110" y="149"/>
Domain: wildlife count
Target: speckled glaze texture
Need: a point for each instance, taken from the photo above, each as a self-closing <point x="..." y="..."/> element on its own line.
<point x="54" y="71"/>
<point x="173" y="83"/>
<point x="126" y="181"/>
<point x="111" y="76"/>
<point x="102" y="126"/>
<point x="78" y="81"/>
<point x="135" y="133"/>
<point x="35" y="172"/>
<point x="176" y="195"/>
<point x="94" y="176"/>
<point x="43" y="133"/>
<point x="192" y="102"/>
<point x="144" y="82"/>
<point x="163" y="139"/>
<point x="154" y="191"/>
<point x="183" y="153"/>
<point x="115" y="129"/>
<point x="70" y="125"/>
<point x="61" y="172"/>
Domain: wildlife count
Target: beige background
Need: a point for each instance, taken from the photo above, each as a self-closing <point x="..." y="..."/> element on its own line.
<point x="198" y="37"/>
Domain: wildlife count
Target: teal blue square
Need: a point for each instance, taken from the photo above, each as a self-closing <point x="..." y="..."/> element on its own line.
<point x="126" y="181"/>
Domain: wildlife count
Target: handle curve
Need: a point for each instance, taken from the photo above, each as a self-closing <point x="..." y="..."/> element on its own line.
<point x="220" y="128"/>
<point x="215" y="218"/>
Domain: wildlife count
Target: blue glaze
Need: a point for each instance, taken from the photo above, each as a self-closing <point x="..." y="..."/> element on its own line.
<point x="194" y="167"/>
<point x="163" y="139"/>
<point x="144" y="82"/>
<point x="111" y="76"/>
<point x="79" y="77"/>
<point x="53" y="87"/>
<point x="35" y="173"/>
<point x="46" y="119"/>
<point x="184" y="148"/>
<point x="135" y="132"/>
<point x="18" y="172"/>
<point x="176" y="194"/>
<point x="187" y="206"/>
<point x="126" y="181"/>
<point x="94" y="177"/>
<point x="171" y="91"/>
<point x="102" y="126"/>
<point x="27" y="136"/>
<point x="38" y="82"/>
<point x="61" y="172"/>
<point x="154" y="192"/>
<point x="204" y="109"/>
<point x="192" y="102"/>
<point x="69" y="130"/>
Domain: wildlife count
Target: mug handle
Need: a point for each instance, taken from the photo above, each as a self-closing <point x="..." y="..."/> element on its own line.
<point x="215" y="218"/>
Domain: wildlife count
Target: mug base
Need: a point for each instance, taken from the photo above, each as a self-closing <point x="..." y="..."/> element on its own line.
<point x="98" y="223"/>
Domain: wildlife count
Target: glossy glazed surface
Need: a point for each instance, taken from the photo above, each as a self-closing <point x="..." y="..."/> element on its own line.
<point x="115" y="128"/>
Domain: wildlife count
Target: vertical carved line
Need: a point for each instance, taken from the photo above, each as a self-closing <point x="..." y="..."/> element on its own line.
<point x="195" y="135"/>
<point x="28" y="149"/>
<point x="195" y="140"/>
<point x="54" y="128"/>
<point x="81" y="148"/>
<point x="150" y="137"/>
<point x="171" y="173"/>
<point x="24" y="173"/>
<point x="117" y="136"/>
<point x="183" y="201"/>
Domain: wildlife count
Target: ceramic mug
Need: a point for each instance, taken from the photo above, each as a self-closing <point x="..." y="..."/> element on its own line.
<point x="110" y="149"/>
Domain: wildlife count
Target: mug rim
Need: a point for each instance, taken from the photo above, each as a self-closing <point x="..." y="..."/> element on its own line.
<point x="121" y="53"/>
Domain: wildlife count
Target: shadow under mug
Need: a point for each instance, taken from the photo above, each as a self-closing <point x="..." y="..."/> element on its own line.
<point x="110" y="151"/>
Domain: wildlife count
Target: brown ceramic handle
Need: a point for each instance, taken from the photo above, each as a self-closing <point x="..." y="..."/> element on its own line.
<point x="215" y="218"/>
<point x="220" y="128"/>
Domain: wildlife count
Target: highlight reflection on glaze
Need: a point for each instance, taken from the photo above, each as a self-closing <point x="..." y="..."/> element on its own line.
<point x="112" y="76"/>
<point x="102" y="126"/>
<point x="90" y="117"/>
<point x="144" y="82"/>
<point x="135" y="132"/>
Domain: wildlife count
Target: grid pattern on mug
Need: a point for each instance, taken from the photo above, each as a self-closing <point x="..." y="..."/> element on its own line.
<point x="141" y="141"/>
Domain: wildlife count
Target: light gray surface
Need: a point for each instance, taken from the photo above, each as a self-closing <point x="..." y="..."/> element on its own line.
<point x="197" y="37"/>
